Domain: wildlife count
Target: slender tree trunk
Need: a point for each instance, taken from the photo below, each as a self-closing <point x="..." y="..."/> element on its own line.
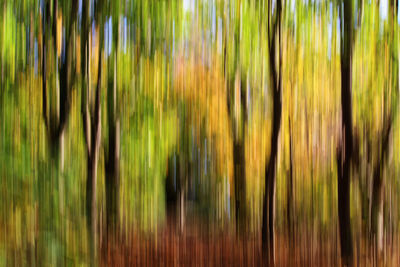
<point x="92" y="161"/>
<point x="240" y="185"/>
<point x="171" y="191"/>
<point x="112" y="164"/>
<point x="239" y="160"/>
<point x="175" y="192"/>
<point x="238" y="133"/>
<point x="62" y="151"/>
<point x="346" y="240"/>
<point x="91" y="204"/>
<point x="270" y="176"/>
<point x="182" y="209"/>
<point x="92" y="130"/>
<point x="267" y="231"/>
<point x="65" y="76"/>
<point x="290" y="189"/>
<point x="377" y="214"/>
<point x="112" y="181"/>
<point x="345" y="148"/>
<point x="378" y="183"/>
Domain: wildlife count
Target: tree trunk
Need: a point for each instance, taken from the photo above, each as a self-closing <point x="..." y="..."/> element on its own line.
<point x="112" y="163"/>
<point x="91" y="205"/>
<point x="65" y="76"/>
<point x="290" y="190"/>
<point x="181" y="195"/>
<point x="238" y="133"/>
<point x="345" y="148"/>
<point x="346" y="240"/>
<point x="175" y="192"/>
<point x="61" y="150"/>
<point x="92" y="161"/>
<point x="92" y="130"/>
<point x="378" y="183"/>
<point x="240" y="185"/>
<point x="267" y="231"/>
<point x="112" y="181"/>
<point x="377" y="215"/>
<point x="171" y="192"/>
<point x="270" y="177"/>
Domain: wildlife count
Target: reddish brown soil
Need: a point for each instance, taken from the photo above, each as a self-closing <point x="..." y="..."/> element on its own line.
<point x="169" y="248"/>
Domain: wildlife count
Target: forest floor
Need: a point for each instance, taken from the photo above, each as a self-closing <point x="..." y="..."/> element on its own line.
<point x="191" y="248"/>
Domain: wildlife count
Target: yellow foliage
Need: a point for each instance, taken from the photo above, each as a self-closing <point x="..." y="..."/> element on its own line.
<point x="204" y="91"/>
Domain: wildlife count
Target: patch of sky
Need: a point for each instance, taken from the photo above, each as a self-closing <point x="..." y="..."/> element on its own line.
<point x="124" y="33"/>
<point x="93" y="34"/>
<point x="36" y="57"/>
<point x="330" y="30"/>
<point x="383" y="9"/>
<point x="219" y="35"/>
<point x="108" y="36"/>
<point x="338" y="35"/>
<point x="213" y="27"/>
<point x="188" y="6"/>
<point x="79" y="13"/>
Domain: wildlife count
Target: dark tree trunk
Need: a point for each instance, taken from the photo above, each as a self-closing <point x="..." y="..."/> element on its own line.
<point x="377" y="213"/>
<point x="378" y="184"/>
<point x="92" y="130"/>
<point x="270" y="176"/>
<point x="268" y="232"/>
<point x="344" y="155"/>
<point x="112" y="188"/>
<point x="56" y="123"/>
<point x="240" y="184"/>
<point x="239" y="161"/>
<point x="238" y="133"/>
<point x="344" y="161"/>
<point x="112" y="162"/>
<point x="178" y="173"/>
<point x="171" y="191"/>
<point x="112" y="183"/>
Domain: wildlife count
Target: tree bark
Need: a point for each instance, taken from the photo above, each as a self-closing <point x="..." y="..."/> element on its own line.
<point x="91" y="203"/>
<point x="92" y="130"/>
<point x="113" y="180"/>
<point x="344" y="155"/>
<point x="94" y="134"/>
<point x="171" y="191"/>
<point x="268" y="232"/>
<point x="238" y="133"/>
<point x="378" y="185"/>
<point x="240" y="185"/>
<point x="270" y="177"/>
<point x="175" y="192"/>
<point x="56" y="123"/>
<point x="290" y="189"/>
<point x="112" y="160"/>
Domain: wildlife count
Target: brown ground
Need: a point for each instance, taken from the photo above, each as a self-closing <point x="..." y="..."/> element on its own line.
<point x="170" y="248"/>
